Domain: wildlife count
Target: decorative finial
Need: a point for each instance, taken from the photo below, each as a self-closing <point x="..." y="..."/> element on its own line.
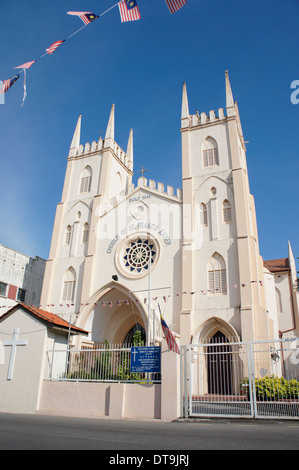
<point x="142" y="171"/>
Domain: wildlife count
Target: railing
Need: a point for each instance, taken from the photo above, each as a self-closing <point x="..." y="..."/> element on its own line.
<point x="235" y="379"/>
<point x="106" y="363"/>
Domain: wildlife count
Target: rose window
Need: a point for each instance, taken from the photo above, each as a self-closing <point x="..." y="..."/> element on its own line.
<point x="139" y="254"/>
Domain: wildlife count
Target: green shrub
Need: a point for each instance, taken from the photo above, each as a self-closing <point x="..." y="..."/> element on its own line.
<point x="273" y="388"/>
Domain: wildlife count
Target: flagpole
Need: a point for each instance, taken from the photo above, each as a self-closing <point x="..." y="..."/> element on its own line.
<point x="149" y="301"/>
<point x="154" y="326"/>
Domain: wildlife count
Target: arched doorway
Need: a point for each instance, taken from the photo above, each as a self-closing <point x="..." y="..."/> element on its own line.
<point x="111" y="315"/>
<point x="129" y="338"/>
<point x="219" y="365"/>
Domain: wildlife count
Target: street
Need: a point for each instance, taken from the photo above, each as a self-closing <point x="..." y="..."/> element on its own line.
<point x="40" y="432"/>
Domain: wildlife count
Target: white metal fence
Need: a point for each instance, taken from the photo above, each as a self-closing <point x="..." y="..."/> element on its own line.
<point x="106" y="363"/>
<point x="228" y="379"/>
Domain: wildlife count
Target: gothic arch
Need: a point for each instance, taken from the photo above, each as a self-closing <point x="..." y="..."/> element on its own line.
<point x="138" y="313"/>
<point x="210" y="153"/>
<point x="209" y="143"/>
<point x="217" y="275"/>
<point x="78" y="203"/>
<point x="69" y="285"/>
<point x="210" y="327"/>
<point x="210" y="181"/>
<point x="85" y="180"/>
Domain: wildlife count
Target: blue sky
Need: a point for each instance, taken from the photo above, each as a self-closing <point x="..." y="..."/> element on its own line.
<point x="140" y="66"/>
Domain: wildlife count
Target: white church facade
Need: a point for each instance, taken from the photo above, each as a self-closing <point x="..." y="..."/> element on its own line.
<point x="120" y="252"/>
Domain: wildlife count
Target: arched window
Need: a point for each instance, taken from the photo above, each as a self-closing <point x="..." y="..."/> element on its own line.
<point x="278" y="300"/>
<point x="203" y="215"/>
<point x="85" y="233"/>
<point x="227" y="213"/>
<point x="68" y="234"/>
<point x="210" y="152"/>
<point x="69" y="285"/>
<point x="217" y="275"/>
<point x="131" y="336"/>
<point x="85" y="180"/>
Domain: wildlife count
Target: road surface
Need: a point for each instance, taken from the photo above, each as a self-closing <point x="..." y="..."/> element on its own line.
<point x="41" y="432"/>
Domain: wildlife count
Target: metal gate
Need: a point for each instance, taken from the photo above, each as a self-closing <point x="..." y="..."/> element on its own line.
<point x="257" y="379"/>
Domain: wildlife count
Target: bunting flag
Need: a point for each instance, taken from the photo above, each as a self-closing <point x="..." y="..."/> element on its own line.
<point x="129" y="10"/>
<point x="26" y="66"/>
<point x="7" y="84"/>
<point x="120" y="302"/>
<point x="170" y="339"/>
<point x="175" y="5"/>
<point x="86" y="16"/>
<point x="54" y="46"/>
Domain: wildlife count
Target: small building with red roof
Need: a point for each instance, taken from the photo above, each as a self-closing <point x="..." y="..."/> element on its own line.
<point x="27" y="334"/>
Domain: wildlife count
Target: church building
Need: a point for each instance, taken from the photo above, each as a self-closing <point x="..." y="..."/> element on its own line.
<point x="122" y="253"/>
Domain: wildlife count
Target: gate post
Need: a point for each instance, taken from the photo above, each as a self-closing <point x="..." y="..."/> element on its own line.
<point x="251" y="380"/>
<point x="170" y="385"/>
<point x="184" y="382"/>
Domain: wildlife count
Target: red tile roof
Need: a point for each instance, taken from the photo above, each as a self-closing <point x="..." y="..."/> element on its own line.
<point x="49" y="318"/>
<point x="277" y="265"/>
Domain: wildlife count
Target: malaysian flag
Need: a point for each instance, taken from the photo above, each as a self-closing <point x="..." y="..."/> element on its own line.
<point x="175" y="5"/>
<point x="54" y="46"/>
<point x="129" y="10"/>
<point x="86" y="16"/>
<point x="26" y="66"/>
<point x="8" y="83"/>
<point x="170" y="339"/>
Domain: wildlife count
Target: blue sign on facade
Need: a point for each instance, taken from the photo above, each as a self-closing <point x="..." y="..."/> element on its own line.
<point x="146" y="359"/>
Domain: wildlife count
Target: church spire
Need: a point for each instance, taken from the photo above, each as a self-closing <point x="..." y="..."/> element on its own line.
<point x="230" y="104"/>
<point x="110" y="127"/>
<point x="185" y="106"/>
<point x="130" y="151"/>
<point x="76" y="138"/>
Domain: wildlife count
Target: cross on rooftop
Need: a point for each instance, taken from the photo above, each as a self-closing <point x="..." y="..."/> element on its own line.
<point x="143" y="170"/>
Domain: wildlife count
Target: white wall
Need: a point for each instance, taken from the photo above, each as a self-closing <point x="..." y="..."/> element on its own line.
<point x="21" y="394"/>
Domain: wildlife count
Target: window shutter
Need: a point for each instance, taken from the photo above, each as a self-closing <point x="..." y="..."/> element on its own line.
<point x="205" y="158"/>
<point x="211" y="282"/>
<point x="223" y="282"/>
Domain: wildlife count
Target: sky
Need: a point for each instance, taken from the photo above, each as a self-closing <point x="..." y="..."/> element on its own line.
<point x="140" y="67"/>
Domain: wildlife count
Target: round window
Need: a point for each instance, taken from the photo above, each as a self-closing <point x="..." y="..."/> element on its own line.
<point x="138" y="254"/>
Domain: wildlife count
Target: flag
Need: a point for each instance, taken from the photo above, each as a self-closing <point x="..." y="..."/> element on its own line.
<point x="8" y="83"/>
<point x="129" y="10"/>
<point x="170" y="339"/>
<point x="26" y="66"/>
<point x="86" y="16"/>
<point x="54" y="46"/>
<point x="175" y="5"/>
<point x="131" y="4"/>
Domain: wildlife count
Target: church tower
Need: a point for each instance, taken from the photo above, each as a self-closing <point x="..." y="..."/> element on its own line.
<point x="221" y="263"/>
<point x="95" y="174"/>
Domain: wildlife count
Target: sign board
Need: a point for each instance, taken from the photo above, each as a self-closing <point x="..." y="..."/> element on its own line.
<point x="146" y="359"/>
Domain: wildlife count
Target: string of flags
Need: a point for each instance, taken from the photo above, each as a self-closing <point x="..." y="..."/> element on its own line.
<point x="121" y="302"/>
<point x="129" y="11"/>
